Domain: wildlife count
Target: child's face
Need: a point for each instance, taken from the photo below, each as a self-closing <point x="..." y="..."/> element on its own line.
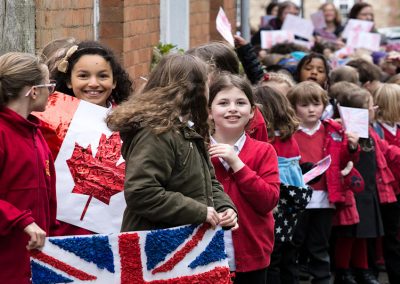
<point x="92" y="79"/>
<point x="231" y="110"/>
<point x="371" y="110"/>
<point x="314" y="71"/>
<point x="309" y="113"/>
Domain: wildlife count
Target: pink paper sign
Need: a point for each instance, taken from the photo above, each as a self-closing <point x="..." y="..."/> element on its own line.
<point x="357" y="26"/>
<point x="370" y="41"/>
<point x="270" y="38"/>
<point x="318" y="20"/>
<point x="318" y="169"/>
<point x="298" y="26"/>
<point x="224" y="27"/>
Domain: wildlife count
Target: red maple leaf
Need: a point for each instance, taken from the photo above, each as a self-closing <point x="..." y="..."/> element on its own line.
<point x="98" y="176"/>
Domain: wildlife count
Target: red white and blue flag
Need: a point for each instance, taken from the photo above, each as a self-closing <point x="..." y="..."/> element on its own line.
<point x="89" y="167"/>
<point x="186" y="254"/>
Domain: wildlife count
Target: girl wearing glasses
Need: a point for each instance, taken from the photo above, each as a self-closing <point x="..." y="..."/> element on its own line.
<point x="27" y="177"/>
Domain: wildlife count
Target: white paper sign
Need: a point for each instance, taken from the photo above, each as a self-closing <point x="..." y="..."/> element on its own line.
<point x="298" y="26"/>
<point x="370" y="41"/>
<point x="319" y="168"/>
<point x="354" y="25"/>
<point x="224" y="27"/>
<point x="270" y="38"/>
<point x="318" y="20"/>
<point x="355" y="120"/>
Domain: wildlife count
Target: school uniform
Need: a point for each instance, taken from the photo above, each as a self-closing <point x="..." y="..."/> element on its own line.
<point x="27" y="191"/>
<point x="254" y="189"/>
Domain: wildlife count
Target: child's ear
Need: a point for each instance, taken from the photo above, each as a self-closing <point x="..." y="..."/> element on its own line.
<point x="253" y="110"/>
<point x="69" y="85"/>
<point x="114" y="85"/>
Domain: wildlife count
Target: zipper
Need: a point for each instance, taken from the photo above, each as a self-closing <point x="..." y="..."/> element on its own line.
<point x="187" y="155"/>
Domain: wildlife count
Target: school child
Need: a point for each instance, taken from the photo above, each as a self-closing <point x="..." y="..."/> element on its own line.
<point x="27" y="176"/>
<point x="248" y="171"/>
<point x="91" y="72"/>
<point x="370" y="75"/>
<point x="169" y="177"/>
<point x="294" y="193"/>
<point x="344" y="73"/>
<point x="316" y="140"/>
<point x="378" y="204"/>
<point x="387" y="100"/>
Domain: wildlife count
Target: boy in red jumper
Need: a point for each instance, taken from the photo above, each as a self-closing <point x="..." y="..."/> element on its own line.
<point x="248" y="171"/>
<point x="316" y="140"/>
<point x="27" y="176"/>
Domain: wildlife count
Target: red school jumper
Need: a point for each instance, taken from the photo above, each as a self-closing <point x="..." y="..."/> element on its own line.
<point x="254" y="189"/>
<point x="27" y="191"/>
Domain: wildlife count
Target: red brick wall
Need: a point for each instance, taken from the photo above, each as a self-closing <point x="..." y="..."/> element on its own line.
<point x="229" y="7"/>
<point x="56" y="19"/>
<point x="199" y="22"/>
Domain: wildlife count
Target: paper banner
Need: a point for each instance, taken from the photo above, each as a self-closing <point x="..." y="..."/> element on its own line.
<point x="270" y="38"/>
<point x="224" y="27"/>
<point x="355" y="120"/>
<point x="298" y="26"/>
<point x="186" y="254"/>
<point x="318" y="169"/>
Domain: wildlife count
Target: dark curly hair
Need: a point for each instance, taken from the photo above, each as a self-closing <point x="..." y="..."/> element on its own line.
<point x="124" y="85"/>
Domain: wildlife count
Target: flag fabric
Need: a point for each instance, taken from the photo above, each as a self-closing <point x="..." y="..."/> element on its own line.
<point x="89" y="167"/>
<point x="185" y="254"/>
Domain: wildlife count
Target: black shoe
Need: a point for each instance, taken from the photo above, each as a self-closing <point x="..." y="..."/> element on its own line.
<point x="344" y="276"/>
<point x="365" y="276"/>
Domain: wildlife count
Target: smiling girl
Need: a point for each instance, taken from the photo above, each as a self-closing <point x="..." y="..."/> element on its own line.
<point x="248" y="171"/>
<point x="90" y="71"/>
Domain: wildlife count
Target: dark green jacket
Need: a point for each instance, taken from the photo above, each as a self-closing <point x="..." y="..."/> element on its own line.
<point x="169" y="180"/>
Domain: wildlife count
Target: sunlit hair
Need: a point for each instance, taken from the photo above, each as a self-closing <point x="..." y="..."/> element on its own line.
<point x="225" y="80"/>
<point x="338" y="18"/>
<point x="387" y="98"/>
<point x="176" y="90"/>
<point x="54" y="51"/>
<point x="395" y="79"/>
<point x="367" y="71"/>
<point x="124" y="85"/>
<point x="218" y="56"/>
<point x="277" y="111"/>
<point x="344" y="73"/>
<point x="307" y="92"/>
<point x="17" y="71"/>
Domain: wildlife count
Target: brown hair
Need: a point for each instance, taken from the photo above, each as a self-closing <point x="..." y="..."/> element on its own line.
<point x="277" y="112"/>
<point x="176" y="88"/>
<point x="357" y="97"/>
<point x="18" y="70"/>
<point x="344" y="73"/>
<point x="395" y="79"/>
<point x="307" y="92"/>
<point x="387" y="98"/>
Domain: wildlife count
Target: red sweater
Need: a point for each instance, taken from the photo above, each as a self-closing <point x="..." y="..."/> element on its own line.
<point x="254" y="189"/>
<point x="335" y="144"/>
<point x="390" y="138"/>
<point x="257" y="128"/>
<point x="27" y="191"/>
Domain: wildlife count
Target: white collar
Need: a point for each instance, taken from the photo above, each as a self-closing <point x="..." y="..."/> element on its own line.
<point x="391" y="129"/>
<point x="311" y="131"/>
<point x="237" y="147"/>
<point x="189" y="122"/>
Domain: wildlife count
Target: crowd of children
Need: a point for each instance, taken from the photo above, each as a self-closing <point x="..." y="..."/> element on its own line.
<point x="205" y="143"/>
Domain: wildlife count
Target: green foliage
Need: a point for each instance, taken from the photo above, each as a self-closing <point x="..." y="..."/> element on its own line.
<point x="162" y="49"/>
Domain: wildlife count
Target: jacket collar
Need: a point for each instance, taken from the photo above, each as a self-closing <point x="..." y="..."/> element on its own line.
<point x="18" y="122"/>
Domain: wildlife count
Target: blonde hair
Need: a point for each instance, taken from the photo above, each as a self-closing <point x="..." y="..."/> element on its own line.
<point x="387" y="98"/>
<point x="18" y="70"/>
<point x="307" y="92"/>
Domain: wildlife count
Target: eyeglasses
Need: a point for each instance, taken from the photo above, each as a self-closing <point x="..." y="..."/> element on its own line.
<point x="51" y="87"/>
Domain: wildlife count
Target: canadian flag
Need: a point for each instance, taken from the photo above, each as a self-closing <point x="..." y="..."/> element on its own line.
<point x="89" y="167"/>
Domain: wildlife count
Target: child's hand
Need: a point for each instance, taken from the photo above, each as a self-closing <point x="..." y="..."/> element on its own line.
<point x="212" y="217"/>
<point x="228" y="219"/>
<point x="239" y="41"/>
<point x="352" y="140"/>
<point x="227" y="153"/>
<point x="37" y="236"/>
<point x="347" y="169"/>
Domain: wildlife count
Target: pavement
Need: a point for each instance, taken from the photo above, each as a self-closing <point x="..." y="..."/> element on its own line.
<point x="383" y="279"/>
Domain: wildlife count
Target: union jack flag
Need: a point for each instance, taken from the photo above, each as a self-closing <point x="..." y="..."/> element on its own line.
<point x="186" y="254"/>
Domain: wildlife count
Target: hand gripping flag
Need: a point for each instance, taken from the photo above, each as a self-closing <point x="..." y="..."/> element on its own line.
<point x="89" y="167"/>
<point x="186" y="254"/>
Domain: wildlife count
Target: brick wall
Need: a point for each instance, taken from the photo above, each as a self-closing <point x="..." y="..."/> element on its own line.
<point x="56" y="19"/>
<point x="199" y="22"/>
<point x="229" y="7"/>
